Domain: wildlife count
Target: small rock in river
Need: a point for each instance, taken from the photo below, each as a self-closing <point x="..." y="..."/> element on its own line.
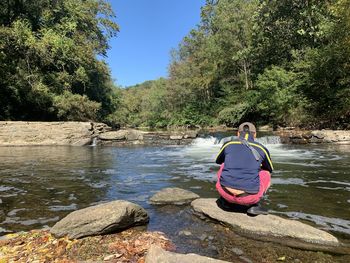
<point x="237" y="251"/>
<point x="203" y="237"/>
<point x="185" y="233"/>
<point x="214" y="249"/>
<point x="173" y="195"/>
<point x="281" y="206"/>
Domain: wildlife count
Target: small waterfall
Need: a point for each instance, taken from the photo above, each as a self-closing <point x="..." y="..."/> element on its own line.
<point x="266" y="140"/>
<point x="205" y="142"/>
<point x="93" y="142"/>
<point x="202" y="148"/>
<point x="213" y="141"/>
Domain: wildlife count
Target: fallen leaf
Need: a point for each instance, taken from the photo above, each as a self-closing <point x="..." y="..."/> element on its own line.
<point x="108" y="257"/>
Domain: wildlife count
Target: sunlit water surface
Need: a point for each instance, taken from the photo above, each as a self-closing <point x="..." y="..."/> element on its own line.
<point x="40" y="185"/>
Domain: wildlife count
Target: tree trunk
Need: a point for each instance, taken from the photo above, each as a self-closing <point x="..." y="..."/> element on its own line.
<point x="246" y="75"/>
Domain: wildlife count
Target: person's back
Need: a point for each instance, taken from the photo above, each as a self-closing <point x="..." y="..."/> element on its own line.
<point x="244" y="175"/>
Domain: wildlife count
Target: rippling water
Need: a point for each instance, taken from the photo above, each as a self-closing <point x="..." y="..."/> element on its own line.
<point x="40" y="185"/>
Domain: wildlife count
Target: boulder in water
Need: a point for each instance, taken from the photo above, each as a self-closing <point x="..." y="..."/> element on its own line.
<point x="157" y="254"/>
<point x="134" y="135"/>
<point x="173" y="195"/>
<point x="270" y="227"/>
<point x="100" y="219"/>
<point x="265" y="128"/>
<point x="176" y="137"/>
<point x="191" y="135"/>
<point x="122" y="135"/>
<point x="113" y="135"/>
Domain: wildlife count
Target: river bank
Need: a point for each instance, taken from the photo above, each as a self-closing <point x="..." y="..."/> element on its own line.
<point x="13" y="133"/>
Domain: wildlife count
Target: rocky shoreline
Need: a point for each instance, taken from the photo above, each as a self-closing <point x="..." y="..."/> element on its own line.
<point x="18" y="133"/>
<point x="138" y="137"/>
<point x="315" y="137"/>
<point x="89" y="234"/>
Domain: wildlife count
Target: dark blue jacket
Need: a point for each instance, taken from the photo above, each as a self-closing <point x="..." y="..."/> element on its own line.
<point x="241" y="169"/>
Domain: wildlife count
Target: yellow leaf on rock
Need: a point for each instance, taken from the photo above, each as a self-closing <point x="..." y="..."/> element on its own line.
<point x="71" y="243"/>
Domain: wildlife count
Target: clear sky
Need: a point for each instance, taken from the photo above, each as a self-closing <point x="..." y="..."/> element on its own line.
<point x="149" y="29"/>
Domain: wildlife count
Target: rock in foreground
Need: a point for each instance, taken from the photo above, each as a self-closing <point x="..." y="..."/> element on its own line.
<point x="156" y="254"/>
<point x="100" y="219"/>
<point x="270" y="226"/>
<point x="173" y="195"/>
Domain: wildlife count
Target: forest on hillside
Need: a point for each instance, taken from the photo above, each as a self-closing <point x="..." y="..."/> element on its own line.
<point x="283" y="63"/>
<point x="49" y="64"/>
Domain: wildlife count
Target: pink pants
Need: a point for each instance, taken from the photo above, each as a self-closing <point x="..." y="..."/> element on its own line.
<point x="265" y="180"/>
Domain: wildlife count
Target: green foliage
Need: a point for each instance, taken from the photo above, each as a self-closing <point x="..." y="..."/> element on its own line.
<point x="279" y="101"/>
<point x="328" y="84"/>
<point x="232" y="116"/>
<point x="212" y="59"/>
<point x="284" y="26"/>
<point x="75" y="107"/>
<point x="190" y="116"/>
<point x="266" y="61"/>
<point x="49" y="49"/>
<point x="143" y="105"/>
<point x="276" y="62"/>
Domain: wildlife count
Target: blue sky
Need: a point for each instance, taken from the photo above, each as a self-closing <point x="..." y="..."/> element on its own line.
<point x="149" y="29"/>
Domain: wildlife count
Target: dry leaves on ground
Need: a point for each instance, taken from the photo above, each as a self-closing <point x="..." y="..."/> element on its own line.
<point x="40" y="246"/>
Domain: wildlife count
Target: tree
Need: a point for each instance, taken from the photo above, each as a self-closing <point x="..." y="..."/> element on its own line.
<point x="282" y="27"/>
<point x="279" y="100"/>
<point x="268" y="61"/>
<point x="49" y="49"/>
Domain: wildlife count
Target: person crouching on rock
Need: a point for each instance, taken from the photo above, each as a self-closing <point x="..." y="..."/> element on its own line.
<point x="244" y="175"/>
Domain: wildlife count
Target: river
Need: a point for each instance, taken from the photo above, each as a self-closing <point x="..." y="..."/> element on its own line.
<point x="40" y="185"/>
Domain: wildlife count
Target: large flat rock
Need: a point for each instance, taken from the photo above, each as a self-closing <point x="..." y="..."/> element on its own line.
<point x="122" y="135"/>
<point x="100" y="219"/>
<point x="173" y="195"/>
<point x="271" y="226"/>
<point x="22" y="133"/>
<point x="158" y="255"/>
<point x="113" y="135"/>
